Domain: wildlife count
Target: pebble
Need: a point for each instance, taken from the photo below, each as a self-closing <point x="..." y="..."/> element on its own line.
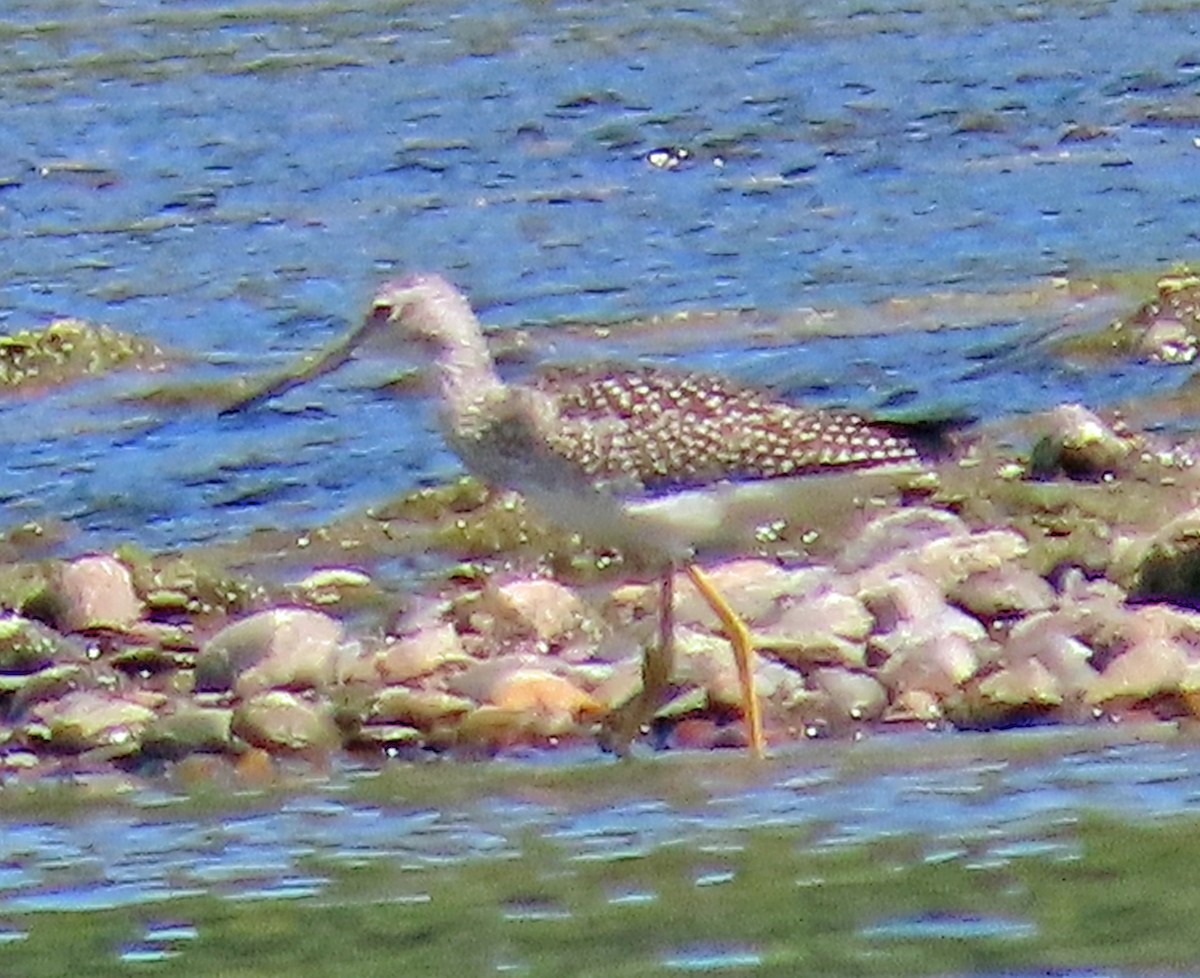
<point x="189" y="729"/>
<point x="538" y="691"/>
<point x="417" y="708"/>
<point x="87" y="719"/>
<point x="536" y="608"/>
<point x="280" y="648"/>
<point x="282" y="720"/>
<point x="853" y="695"/>
<point x="412" y="656"/>
<point x="825" y="627"/>
<point x="1002" y="592"/>
<point x="95" y="592"/>
<point x="28" y="646"/>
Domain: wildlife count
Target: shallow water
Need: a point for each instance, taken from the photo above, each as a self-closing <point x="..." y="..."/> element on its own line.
<point x="233" y="179"/>
<point x="1010" y="853"/>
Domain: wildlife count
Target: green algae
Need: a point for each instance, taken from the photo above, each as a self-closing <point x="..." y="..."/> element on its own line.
<point x="197" y="584"/>
<point x="69" y="350"/>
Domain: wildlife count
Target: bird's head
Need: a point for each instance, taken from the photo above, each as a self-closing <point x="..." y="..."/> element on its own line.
<point x="425" y="309"/>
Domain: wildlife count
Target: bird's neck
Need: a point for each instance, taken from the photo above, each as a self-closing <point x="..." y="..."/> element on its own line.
<point x="468" y="385"/>
<point x="466" y="375"/>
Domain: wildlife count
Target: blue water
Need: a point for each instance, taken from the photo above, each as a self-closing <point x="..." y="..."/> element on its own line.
<point x="251" y="172"/>
<point x="980" y="801"/>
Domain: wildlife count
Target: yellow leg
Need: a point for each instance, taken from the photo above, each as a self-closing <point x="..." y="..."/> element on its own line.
<point x="625" y="723"/>
<point x="743" y="651"/>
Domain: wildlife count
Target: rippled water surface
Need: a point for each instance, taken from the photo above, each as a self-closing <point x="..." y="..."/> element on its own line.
<point x="927" y="854"/>
<point x="232" y="180"/>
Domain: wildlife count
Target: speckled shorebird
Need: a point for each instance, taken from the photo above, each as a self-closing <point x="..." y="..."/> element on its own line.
<point x="647" y="461"/>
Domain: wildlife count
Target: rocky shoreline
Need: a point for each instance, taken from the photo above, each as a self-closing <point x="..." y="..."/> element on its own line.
<point x="1048" y="583"/>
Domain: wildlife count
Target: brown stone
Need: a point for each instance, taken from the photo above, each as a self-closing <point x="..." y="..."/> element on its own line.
<point x="89" y="719"/>
<point x="282" y="648"/>
<point x="96" y="592"/>
<point x="417" y="708"/>
<point x="535" y="607"/>
<point x="281" y="720"/>
<point x="419" y="654"/>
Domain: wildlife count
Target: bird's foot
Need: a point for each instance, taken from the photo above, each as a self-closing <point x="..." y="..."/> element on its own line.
<point x="624" y="724"/>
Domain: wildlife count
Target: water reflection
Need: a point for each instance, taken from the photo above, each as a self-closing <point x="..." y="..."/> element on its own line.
<point x="925" y="849"/>
<point x="949" y="927"/>
<point x="981" y="812"/>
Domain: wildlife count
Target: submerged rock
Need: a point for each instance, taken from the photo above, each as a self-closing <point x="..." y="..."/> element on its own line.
<point x="69" y="350"/>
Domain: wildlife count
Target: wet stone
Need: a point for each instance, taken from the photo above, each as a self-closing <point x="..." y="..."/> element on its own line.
<point x="389" y="737"/>
<point x="1168" y="341"/>
<point x="189" y="729"/>
<point x="900" y="532"/>
<point x="497" y="727"/>
<point x="540" y="692"/>
<point x="826" y="627"/>
<point x="705" y="662"/>
<point x="335" y="586"/>
<point x="1152" y="661"/>
<point x="1080" y="444"/>
<point x="27" y="646"/>
<point x="418" y="654"/>
<point x="1022" y="683"/>
<point x="25" y="689"/>
<point x="935" y="654"/>
<point x="282" y="720"/>
<point x="480" y="679"/>
<point x="95" y="592"/>
<point x="1170" y="564"/>
<point x="1165" y="327"/>
<point x="417" y="708"/>
<point x="89" y="719"/>
<point x="752" y="587"/>
<point x="281" y="648"/>
<point x="1002" y="592"/>
<point x="1048" y="639"/>
<point x="949" y="562"/>
<point x="536" y="608"/>
<point x="854" y="695"/>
